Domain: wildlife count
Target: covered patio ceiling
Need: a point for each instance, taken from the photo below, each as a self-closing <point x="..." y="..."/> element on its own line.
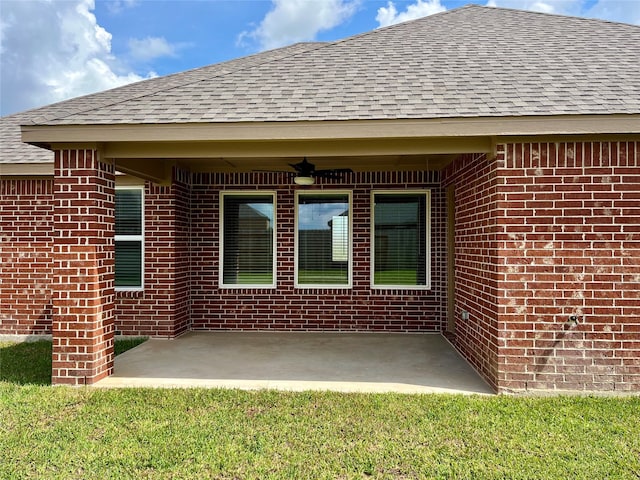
<point x="151" y="151"/>
<point x="369" y="163"/>
<point x="154" y="161"/>
<point x="158" y="170"/>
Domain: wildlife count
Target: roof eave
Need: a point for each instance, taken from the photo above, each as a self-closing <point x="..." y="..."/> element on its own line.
<point x="43" y="135"/>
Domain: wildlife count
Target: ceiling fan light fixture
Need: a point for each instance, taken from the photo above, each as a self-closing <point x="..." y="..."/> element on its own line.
<point x="300" y="180"/>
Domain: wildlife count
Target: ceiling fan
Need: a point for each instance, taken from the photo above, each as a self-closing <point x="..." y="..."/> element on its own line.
<point x="306" y="172"/>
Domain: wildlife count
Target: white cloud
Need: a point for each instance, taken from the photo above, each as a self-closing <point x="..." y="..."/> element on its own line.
<point x="151" y="47"/>
<point x="389" y="15"/>
<point x="117" y="6"/>
<point x="562" y="7"/>
<point x="52" y="51"/>
<point x="542" y="7"/>
<point x="291" y="21"/>
<point x="627" y="11"/>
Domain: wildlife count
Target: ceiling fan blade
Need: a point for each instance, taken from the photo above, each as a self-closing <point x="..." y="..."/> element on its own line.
<point x="307" y="169"/>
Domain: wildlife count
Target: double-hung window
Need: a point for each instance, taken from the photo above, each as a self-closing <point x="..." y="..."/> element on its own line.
<point x="323" y="239"/>
<point x="248" y="233"/>
<point x="401" y="239"/>
<point x="129" y="238"/>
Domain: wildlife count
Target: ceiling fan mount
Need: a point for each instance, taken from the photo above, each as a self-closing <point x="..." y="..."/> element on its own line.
<point x="306" y="172"/>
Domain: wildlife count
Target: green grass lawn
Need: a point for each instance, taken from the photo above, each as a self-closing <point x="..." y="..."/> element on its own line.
<point x="396" y="277"/>
<point x="30" y="362"/>
<point x="84" y="432"/>
<point x="323" y="277"/>
<point x="254" y="279"/>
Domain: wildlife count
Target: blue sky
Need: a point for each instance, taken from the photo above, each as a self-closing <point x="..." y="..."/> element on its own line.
<point x="51" y="50"/>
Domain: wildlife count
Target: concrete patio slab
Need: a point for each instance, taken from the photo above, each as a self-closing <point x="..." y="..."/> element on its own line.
<point x="346" y="362"/>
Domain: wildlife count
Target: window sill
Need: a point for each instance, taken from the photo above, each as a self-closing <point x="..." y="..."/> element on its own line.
<point x="323" y="286"/>
<point x="247" y="287"/>
<point x="123" y="292"/>
<point x="401" y="287"/>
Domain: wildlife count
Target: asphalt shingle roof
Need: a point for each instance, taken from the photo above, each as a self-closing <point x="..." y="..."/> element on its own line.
<point x="468" y="62"/>
<point x="13" y="150"/>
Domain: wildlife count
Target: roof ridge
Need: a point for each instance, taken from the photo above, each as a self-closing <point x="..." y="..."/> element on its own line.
<point x="550" y="14"/>
<point x="318" y="45"/>
<point x="470" y="61"/>
<point x="119" y="95"/>
<point x="519" y="11"/>
<point x="44" y="117"/>
<point x="396" y="25"/>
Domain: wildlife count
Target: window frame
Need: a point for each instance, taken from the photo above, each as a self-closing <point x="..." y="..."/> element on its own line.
<point x="245" y="193"/>
<point x="331" y="286"/>
<point x="428" y="254"/>
<point x="132" y="238"/>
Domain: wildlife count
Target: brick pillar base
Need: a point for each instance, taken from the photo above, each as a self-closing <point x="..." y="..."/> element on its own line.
<point x="83" y="302"/>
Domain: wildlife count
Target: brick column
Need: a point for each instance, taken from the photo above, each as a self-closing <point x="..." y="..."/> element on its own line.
<point x="569" y="258"/>
<point x="83" y="298"/>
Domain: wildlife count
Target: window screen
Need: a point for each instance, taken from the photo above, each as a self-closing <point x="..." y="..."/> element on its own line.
<point x="323" y="239"/>
<point x="400" y="237"/>
<point x="248" y="239"/>
<point x="129" y="240"/>
<point x="128" y="264"/>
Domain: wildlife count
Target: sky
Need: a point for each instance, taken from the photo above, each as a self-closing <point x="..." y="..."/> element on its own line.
<point x="52" y="50"/>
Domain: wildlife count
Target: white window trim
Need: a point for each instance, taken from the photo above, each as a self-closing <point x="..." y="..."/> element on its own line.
<point x="232" y="193"/>
<point x="327" y="286"/>
<point x="131" y="238"/>
<point x="427" y="193"/>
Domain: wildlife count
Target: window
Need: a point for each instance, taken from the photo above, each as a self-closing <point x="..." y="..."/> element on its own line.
<point x="323" y="239"/>
<point x="248" y="239"/>
<point x="129" y="238"/>
<point x="400" y="238"/>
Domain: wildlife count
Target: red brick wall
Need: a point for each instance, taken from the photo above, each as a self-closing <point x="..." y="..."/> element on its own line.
<point x="476" y="261"/>
<point x="162" y="309"/>
<point x="83" y="292"/>
<point x="27" y="271"/>
<point x="543" y="232"/>
<point x="26" y="248"/>
<point x="287" y="308"/>
<point x="183" y="257"/>
<point x="569" y="244"/>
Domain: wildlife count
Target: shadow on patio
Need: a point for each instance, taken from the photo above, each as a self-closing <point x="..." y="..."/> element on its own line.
<point x="348" y="362"/>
